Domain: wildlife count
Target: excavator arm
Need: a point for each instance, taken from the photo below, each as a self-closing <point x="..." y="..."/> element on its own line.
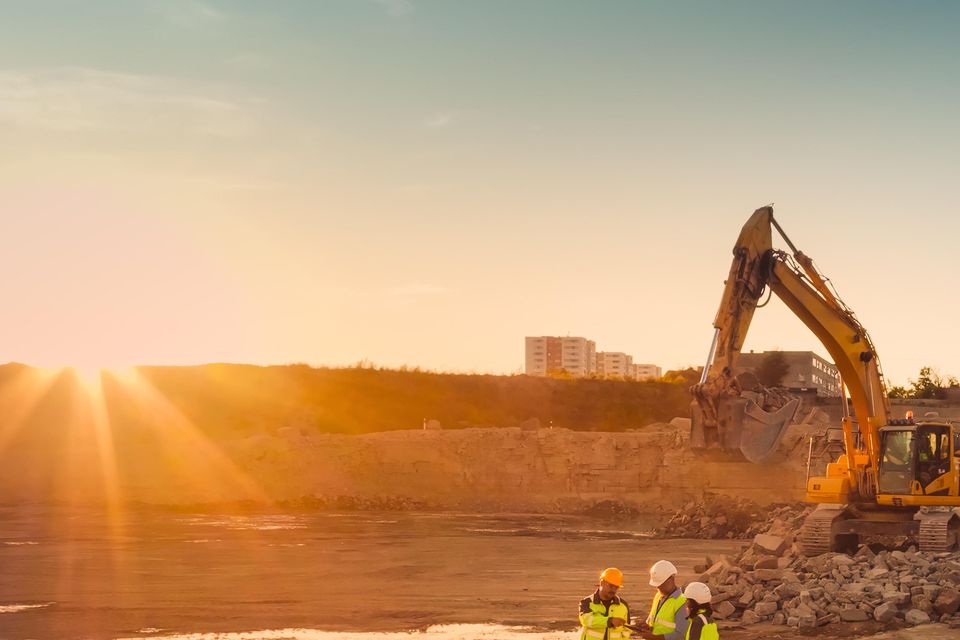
<point x="727" y="416"/>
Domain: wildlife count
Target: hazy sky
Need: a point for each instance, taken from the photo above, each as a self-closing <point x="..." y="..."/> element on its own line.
<point x="425" y="183"/>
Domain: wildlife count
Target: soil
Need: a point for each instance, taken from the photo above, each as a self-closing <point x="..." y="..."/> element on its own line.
<point x="102" y="576"/>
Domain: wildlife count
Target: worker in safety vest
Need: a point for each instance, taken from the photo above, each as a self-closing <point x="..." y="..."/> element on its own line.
<point x="604" y="615"/>
<point x="668" y="615"/>
<point x="700" y="613"/>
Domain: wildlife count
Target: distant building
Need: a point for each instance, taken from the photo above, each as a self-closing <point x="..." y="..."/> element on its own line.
<point x="549" y="354"/>
<point x="579" y="357"/>
<point x="615" y="363"/>
<point x="647" y="372"/>
<point x="542" y="354"/>
<point x="808" y="371"/>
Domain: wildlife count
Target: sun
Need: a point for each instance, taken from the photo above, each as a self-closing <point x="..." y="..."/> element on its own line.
<point x="90" y="373"/>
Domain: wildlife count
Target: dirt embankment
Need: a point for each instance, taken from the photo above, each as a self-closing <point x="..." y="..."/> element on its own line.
<point x="539" y="470"/>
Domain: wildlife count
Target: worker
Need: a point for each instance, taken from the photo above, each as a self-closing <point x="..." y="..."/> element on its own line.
<point x="604" y="615"/>
<point x="700" y="613"/>
<point x="668" y="615"/>
<point x="925" y="460"/>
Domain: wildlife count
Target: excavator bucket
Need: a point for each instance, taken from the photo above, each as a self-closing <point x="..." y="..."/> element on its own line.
<point x="742" y="425"/>
<point x="698" y="432"/>
<point x="754" y="431"/>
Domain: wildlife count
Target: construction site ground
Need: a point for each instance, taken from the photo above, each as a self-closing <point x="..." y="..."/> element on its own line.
<point x="155" y="574"/>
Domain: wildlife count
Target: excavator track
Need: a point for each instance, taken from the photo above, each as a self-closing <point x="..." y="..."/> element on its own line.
<point x="938" y="530"/>
<point x="816" y="534"/>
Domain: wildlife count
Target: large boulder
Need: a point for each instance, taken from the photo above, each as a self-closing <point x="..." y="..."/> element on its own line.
<point x="916" y="616"/>
<point x="852" y="614"/>
<point x="947" y="602"/>
<point x="750" y="617"/>
<point x="769" y="544"/>
<point x="724" y="610"/>
<point x="885" y="612"/>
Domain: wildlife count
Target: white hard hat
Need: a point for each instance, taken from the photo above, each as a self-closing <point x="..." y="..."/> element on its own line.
<point x="661" y="571"/>
<point x="697" y="591"/>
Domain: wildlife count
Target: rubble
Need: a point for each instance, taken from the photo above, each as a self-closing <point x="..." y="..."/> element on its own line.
<point x="609" y="509"/>
<point x="734" y="518"/>
<point x="891" y="587"/>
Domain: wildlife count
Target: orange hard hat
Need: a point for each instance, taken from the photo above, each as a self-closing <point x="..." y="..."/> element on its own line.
<point x="612" y="575"/>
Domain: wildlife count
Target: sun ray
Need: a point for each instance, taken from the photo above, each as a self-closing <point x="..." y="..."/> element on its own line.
<point x="19" y="396"/>
<point x="210" y="473"/>
<point x="95" y="410"/>
<point x="102" y="426"/>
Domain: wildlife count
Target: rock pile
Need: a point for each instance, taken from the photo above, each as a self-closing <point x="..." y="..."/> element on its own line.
<point x="352" y="503"/>
<point x="609" y="509"/>
<point x="733" y="518"/>
<point x="770" y="582"/>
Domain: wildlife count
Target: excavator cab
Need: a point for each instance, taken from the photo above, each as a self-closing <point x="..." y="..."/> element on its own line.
<point x="917" y="461"/>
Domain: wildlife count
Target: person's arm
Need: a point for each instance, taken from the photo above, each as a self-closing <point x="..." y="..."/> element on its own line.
<point x="626" y="620"/>
<point x="591" y="620"/>
<point x="652" y="608"/>
<point x="680" y="631"/>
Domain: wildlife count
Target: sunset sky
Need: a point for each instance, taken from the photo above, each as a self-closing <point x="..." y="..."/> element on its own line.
<point x="425" y="183"/>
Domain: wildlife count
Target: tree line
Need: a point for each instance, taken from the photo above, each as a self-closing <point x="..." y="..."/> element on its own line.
<point x="929" y="385"/>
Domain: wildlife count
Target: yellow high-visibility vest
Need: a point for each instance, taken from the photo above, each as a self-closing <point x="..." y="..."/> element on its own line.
<point x="595" y="616"/>
<point x="707" y="632"/>
<point x="663" y="613"/>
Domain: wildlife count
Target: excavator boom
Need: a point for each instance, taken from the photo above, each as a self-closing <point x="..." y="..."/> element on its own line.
<point x="724" y="415"/>
<point x="727" y="415"/>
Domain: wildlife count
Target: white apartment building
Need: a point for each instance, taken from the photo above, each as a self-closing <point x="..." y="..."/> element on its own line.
<point x="536" y="350"/>
<point x="615" y="363"/>
<point x="546" y="354"/>
<point x="579" y="357"/>
<point x="647" y="372"/>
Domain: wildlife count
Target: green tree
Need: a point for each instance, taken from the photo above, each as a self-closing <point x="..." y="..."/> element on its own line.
<point x="898" y="392"/>
<point x="773" y="366"/>
<point x="928" y="384"/>
<point x="685" y="377"/>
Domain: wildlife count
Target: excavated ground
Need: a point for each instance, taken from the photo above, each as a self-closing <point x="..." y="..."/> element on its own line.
<point x="73" y="573"/>
<point x="514" y="470"/>
<point x="85" y="571"/>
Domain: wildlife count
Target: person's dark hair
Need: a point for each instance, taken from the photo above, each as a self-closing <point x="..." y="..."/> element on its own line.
<point x="702" y="608"/>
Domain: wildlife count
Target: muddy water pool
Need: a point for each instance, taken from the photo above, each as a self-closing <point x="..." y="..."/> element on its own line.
<point x="76" y="573"/>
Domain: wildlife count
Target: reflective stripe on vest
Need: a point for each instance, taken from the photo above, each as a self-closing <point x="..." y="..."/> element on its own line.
<point x="588" y="622"/>
<point x="707" y="632"/>
<point x="663" y="613"/>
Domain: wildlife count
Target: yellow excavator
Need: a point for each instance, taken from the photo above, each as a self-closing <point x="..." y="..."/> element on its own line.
<point x="896" y="477"/>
